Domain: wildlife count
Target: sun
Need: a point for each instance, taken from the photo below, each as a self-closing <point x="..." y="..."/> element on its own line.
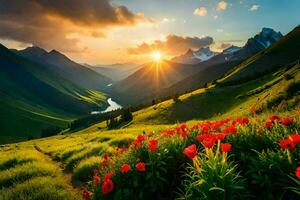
<point x="156" y="56"/>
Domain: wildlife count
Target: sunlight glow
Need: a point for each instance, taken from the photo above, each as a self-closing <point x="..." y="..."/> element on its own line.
<point x="156" y="56"/>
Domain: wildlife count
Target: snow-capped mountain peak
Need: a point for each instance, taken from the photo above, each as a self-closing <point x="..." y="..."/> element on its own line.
<point x="195" y="57"/>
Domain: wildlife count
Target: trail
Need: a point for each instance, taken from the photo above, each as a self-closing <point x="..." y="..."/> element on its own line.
<point x="73" y="186"/>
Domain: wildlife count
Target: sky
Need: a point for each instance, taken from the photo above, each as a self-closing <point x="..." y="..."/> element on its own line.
<point x="119" y="31"/>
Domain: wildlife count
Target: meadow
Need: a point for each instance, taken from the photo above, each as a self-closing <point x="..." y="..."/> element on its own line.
<point x="221" y="158"/>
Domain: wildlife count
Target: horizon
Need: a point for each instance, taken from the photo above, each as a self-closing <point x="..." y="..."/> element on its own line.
<point x="129" y="31"/>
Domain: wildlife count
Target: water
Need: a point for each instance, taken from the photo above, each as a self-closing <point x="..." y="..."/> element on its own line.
<point x="112" y="106"/>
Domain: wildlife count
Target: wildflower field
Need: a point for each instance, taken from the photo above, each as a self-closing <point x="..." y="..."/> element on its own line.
<point x="250" y="157"/>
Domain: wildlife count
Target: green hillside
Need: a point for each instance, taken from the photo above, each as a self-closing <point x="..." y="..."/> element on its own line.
<point x="34" y="96"/>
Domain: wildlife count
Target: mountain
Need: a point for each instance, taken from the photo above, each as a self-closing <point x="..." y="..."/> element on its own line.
<point x="282" y="52"/>
<point x="224" y="62"/>
<point x="34" y="96"/>
<point x="267" y="80"/>
<point x="67" y="68"/>
<point x="195" y="57"/>
<point x="116" y="72"/>
<point x="150" y="84"/>
<point x="149" y="78"/>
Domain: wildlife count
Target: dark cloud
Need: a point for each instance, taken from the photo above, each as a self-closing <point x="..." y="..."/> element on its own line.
<point x="173" y="45"/>
<point x="48" y="23"/>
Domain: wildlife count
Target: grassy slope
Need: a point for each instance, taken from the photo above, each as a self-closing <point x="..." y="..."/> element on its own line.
<point x="36" y="96"/>
<point x="229" y="100"/>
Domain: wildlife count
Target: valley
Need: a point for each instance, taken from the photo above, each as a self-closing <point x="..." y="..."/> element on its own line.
<point x="177" y="109"/>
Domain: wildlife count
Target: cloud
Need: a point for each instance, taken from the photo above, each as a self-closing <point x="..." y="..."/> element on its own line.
<point x="254" y="7"/>
<point x="50" y="24"/>
<point x="222" y="5"/>
<point x="202" y="11"/>
<point x="224" y="46"/>
<point x="172" y="45"/>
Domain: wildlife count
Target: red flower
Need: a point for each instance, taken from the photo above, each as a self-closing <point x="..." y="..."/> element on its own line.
<point x="274" y="118"/>
<point x="225" y="147"/>
<point x="200" y="138"/>
<point x="230" y="129"/>
<point x="86" y="194"/>
<point x="287" y="121"/>
<point x="286" y="144"/>
<point x="141" y="167"/>
<point x="137" y="144"/>
<point x="295" y="138"/>
<point x="205" y="129"/>
<point x="109" y="175"/>
<point x="220" y="136"/>
<point x="297" y="172"/>
<point x="125" y="168"/>
<point x="96" y="179"/>
<point x="190" y="151"/>
<point x="106" y="156"/>
<point x="268" y="124"/>
<point x="153" y="144"/>
<point x="140" y="138"/>
<point x="254" y="110"/>
<point x="209" y="142"/>
<point x="104" y="163"/>
<point x="107" y="186"/>
<point x="183" y="130"/>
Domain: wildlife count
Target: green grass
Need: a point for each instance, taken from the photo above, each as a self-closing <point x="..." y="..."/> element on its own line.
<point x="27" y="174"/>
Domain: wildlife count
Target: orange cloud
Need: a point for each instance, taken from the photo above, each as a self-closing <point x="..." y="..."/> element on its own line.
<point x="49" y="24"/>
<point x="173" y="45"/>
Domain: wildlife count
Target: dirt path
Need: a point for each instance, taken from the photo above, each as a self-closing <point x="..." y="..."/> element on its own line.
<point x="73" y="186"/>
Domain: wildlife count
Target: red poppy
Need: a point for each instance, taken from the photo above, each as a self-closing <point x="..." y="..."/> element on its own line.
<point x="274" y="118"/>
<point x="96" y="179"/>
<point x="123" y="149"/>
<point x="287" y="121"/>
<point x="106" y="156"/>
<point x="125" y="168"/>
<point x="190" y="151"/>
<point x="225" y="147"/>
<point x="209" y="142"/>
<point x="230" y="129"/>
<point x="86" y="194"/>
<point x="183" y="130"/>
<point x="287" y="144"/>
<point x="153" y="144"/>
<point x="140" y="138"/>
<point x="254" y="110"/>
<point x="245" y="121"/>
<point x="216" y="126"/>
<point x="295" y="138"/>
<point x="137" y="144"/>
<point x="109" y="175"/>
<point x="205" y="129"/>
<point x="297" y="172"/>
<point x="104" y="163"/>
<point x="220" y="136"/>
<point x="268" y="124"/>
<point x="141" y="167"/>
<point x="200" y="138"/>
<point x="107" y="186"/>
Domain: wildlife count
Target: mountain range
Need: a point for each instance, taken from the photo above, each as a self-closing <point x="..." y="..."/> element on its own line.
<point x="40" y="89"/>
<point x="185" y="77"/>
<point x="116" y="72"/>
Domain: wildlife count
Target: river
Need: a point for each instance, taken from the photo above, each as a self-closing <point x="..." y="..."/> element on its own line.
<point x="112" y="106"/>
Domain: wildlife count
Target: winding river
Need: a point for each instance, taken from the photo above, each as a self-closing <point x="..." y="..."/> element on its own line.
<point x="112" y="106"/>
